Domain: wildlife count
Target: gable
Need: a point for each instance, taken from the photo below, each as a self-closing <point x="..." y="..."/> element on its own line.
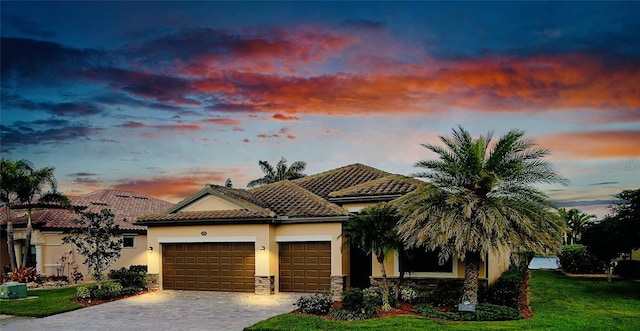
<point x="210" y="203"/>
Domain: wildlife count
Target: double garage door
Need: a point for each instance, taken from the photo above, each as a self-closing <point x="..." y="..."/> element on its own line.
<point x="304" y="266"/>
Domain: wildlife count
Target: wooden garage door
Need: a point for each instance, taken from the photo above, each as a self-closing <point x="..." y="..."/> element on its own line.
<point x="305" y="266"/>
<point x="209" y="266"/>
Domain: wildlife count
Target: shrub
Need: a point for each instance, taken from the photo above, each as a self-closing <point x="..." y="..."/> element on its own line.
<point x="24" y="275"/>
<point x="61" y="278"/>
<point x="107" y="292"/>
<point x="343" y="314"/>
<point x="448" y="293"/>
<point x="315" y="304"/>
<point x="576" y="259"/>
<point x="133" y="278"/>
<point x="77" y="276"/>
<point x="627" y="269"/>
<point x="83" y="293"/>
<point x="353" y="299"/>
<point x="374" y="296"/>
<point x="408" y="294"/>
<point x="484" y="312"/>
<point x="506" y="291"/>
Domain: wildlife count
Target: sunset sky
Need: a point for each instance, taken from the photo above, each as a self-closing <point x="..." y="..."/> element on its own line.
<point x="163" y="97"/>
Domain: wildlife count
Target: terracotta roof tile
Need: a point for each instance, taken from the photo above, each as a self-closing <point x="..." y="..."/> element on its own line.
<point x="205" y="215"/>
<point x="126" y="207"/>
<point x="288" y="199"/>
<point x="324" y="183"/>
<point x="389" y="185"/>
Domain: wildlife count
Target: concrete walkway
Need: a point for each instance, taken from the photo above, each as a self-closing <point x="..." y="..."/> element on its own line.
<point x="540" y="262"/>
<point x="165" y="310"/>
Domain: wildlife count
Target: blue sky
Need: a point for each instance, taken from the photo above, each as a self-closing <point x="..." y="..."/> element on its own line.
<point x="164" y="97"/>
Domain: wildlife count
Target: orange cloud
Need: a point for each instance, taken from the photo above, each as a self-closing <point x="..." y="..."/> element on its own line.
<point x="280" y="117"/>
<point x="597" y="144"/>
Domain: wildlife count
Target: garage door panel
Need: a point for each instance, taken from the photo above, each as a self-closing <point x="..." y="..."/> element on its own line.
<point x="209" y="266"/>
<point x="305" y="266"/>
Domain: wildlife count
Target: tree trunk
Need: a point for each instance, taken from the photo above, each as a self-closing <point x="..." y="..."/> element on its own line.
<point x="10" y="242"/>
<point x="471" y="273"/>
<point x="27" y="244"/>
<point x="385" y="283"/>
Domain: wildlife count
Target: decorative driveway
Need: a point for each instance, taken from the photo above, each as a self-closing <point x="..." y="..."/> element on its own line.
<point x="165" y="310"/>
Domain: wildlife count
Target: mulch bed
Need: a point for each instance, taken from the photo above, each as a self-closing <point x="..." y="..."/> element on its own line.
<point x="95" y="302"/>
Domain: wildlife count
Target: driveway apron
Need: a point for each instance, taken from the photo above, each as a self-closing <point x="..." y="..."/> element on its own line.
<point x="165" y="310"/>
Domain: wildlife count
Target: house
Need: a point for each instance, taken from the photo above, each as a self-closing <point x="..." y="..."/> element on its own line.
<point x="52" y="257"/>
<point x="281" y="237"/>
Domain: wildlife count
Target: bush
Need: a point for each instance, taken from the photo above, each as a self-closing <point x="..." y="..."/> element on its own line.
<point x="408" y="294"/>
<point x="352" y="315"/>
<point x="315" y="304"/>
<point x="61" y="278"/>
<point x="24" y="275"/>
<point x="374" y="296"/>
<point x="506" y="291"/>
<point x="448" y="293"/>
<point x="627" y="269"/>
<point x="107" y="292"/>
<point x="133" y="278"/>
<point x="484" y="312"/>
<point x="83" y="293"/>
<point x="576" y="259"/>
<point x="353" y="299"/>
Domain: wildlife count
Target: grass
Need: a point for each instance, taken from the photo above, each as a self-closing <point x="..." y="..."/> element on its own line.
<point x="48" y="302"/>
<point x="558" y="303"/>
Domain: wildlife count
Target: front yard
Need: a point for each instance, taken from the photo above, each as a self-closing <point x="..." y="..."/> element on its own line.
<point x="45" y="303"/>
<point x="558" y="303"/>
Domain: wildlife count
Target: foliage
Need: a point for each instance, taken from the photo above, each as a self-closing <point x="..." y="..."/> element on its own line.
<point x="24" y="275"/>
<point x="507" y="289"/>
<point x="575" y="221"/>
<point x="77" y="276"/>
<point x="408" y="294"/>
<point x="448" y="293"/>
<point x="281" y="172"/>
<point x="576" y="259"/>
<point x="315" y="304"/>
<point x="11" y="174"/>
<point x="484" y="312"/>
<point x="558" y="303"/>
<point x="58" y="278"/>
<point x="357" y="305"/>
<point x="617" y="233"/>
<point x="374" y="230"/>
<point x="135" y="277"/>
<point x="83" y="293"/>
<point x="375" y="296"/>
<point x="93" y="237"/>
<point x="627" y="269"/>
<point x="481" y="200"/>
<point x="107" y="291"/>
<point x="342" y="314"/>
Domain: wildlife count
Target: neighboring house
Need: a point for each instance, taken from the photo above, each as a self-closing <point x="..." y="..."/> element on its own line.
<point x="635" y="255"/>
<point x="281" y="237"/>
<point x="52" y="257"/>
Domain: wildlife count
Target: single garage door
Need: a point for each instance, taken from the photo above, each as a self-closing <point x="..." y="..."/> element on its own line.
<point x="305" y="266"/>
<point x="209" y="266"/>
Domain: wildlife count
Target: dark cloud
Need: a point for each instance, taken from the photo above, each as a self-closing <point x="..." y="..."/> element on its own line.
<point x="68" y="109"/>
<point x="82" y="174"/>
<point x="604" y="183"/>
<point x="132" y="125"/>
<point x="28" y="27"/>
<point x="43" y="132"/>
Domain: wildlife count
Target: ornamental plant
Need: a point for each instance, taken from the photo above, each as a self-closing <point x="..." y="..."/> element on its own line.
<point x="316" y="304"/>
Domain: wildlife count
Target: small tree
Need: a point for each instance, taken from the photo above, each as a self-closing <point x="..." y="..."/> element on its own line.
<point x="280" y="172"/>
<point x="374" y="231"/>
<point x="93" y="236"/>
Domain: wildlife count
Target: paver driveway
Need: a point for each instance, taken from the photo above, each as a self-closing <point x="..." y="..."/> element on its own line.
<point x="165" y="310"/>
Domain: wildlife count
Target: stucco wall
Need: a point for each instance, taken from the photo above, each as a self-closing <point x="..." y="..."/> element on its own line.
<point x="635" y="255"/>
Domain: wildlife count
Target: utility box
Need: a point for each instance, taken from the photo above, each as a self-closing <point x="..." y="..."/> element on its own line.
<point x="13" y="290"/>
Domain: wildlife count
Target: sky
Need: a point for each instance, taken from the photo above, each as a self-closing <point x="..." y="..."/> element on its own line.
<point x="162" y="98"/>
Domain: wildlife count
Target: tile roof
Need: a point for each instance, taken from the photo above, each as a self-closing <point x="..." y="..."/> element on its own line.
<point x="286" y="198"/>
<point x="324" y="183"/>
<point x="392" y="185"/>
<point x="126" y="207"/>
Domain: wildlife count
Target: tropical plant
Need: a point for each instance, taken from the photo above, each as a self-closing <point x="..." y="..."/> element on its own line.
<point x="575" y="221"/>
<point x="11" y="172"/>
<point x="374" y="230"/>
<point x="93" y="236"/>
<point x="30" y="188"/>
<point x="280" y="172"/>
<point x="481" y="200"/>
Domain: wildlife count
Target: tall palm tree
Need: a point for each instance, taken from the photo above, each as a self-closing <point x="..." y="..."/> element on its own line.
<point x="575" y="221"/>
<point x="30" y="187"/>
<point x="11" y="172"/>
<point x="281" y="172"/>
<point x="374" y="230"/>
<point x="482" y="200"/>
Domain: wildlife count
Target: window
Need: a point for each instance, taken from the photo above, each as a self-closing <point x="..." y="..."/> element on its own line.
<point x="417" y="261"/>
<point x="128" y="241"/>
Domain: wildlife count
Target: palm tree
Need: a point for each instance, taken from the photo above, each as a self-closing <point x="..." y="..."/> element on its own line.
<point x="482" y="200"/>
<point x="11" y="173"/>
<point x="374" y="230"/>
<point x="30" y="187"/>
<point x="575" y="220"/>
<point x="281" y="172"/>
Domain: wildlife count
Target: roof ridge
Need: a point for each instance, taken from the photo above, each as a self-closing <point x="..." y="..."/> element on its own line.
<point x="332" y="171"/>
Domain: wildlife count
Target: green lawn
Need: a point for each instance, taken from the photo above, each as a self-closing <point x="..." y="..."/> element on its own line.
<point x="558" y="303"/>
<point x="48" y="302"/>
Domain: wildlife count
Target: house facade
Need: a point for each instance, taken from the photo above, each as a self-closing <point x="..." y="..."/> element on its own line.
<point x="52" y="257"/>
<point x="281" y="237"/>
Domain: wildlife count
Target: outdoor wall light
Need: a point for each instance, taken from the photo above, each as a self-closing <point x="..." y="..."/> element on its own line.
<point x="262" y="248"/>
<point x="150" y="249"/>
